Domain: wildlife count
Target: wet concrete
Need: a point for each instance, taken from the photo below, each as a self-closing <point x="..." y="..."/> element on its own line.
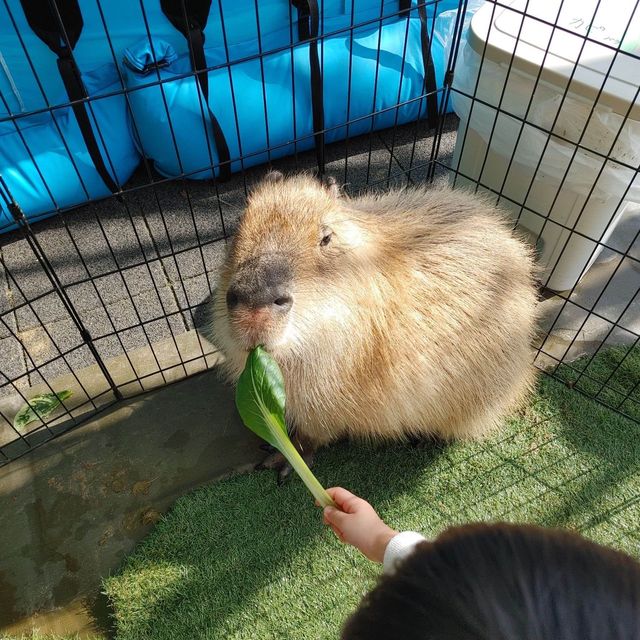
<point x="72" y="510"/>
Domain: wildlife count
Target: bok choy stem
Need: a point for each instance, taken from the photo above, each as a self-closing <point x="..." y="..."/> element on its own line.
<point x="299" y="465"/>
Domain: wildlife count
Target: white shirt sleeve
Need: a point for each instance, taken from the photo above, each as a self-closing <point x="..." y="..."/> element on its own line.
<point x="399" y="547"/>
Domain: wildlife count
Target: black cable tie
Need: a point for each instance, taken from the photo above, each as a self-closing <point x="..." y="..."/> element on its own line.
<point x="17" y="212"/>
<point x="86" y="336"/>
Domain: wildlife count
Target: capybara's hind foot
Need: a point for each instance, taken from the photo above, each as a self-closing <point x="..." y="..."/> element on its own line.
<point x="427" y="441"/>
<point x="421" y="442"/>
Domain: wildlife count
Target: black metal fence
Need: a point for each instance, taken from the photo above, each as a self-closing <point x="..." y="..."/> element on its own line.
<point x="104" y="299"/>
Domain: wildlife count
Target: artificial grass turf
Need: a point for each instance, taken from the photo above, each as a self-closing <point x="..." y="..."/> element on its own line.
<point x="246" y="559"/>
<point x="612" y="376"/>
<point x="36" y="635"/>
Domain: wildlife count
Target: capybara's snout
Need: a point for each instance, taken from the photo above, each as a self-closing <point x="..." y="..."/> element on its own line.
<point x="262" y="282"/>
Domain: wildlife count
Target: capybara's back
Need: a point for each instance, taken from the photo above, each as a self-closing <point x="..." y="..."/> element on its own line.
<point x="408" y="313"/>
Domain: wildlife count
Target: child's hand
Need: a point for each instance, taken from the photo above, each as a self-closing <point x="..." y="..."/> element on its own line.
<point x="356" y="522"/>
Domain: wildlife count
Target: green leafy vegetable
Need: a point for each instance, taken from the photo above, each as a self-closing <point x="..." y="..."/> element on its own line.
<point x="260" y="399"/>
<point x="39" y="408"/>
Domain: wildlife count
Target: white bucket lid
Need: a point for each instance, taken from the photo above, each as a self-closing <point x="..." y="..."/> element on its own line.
<point x="526" y="28"/>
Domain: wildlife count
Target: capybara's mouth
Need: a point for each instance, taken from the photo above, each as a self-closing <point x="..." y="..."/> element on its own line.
<point x="250" y="331"/>
<point x="250" y="339"/>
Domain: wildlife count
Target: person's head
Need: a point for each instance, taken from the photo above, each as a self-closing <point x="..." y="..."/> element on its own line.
<point x="504" y="582"/>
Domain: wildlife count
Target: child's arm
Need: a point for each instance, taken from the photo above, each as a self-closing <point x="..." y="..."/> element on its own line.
<point x="356" y="522"/>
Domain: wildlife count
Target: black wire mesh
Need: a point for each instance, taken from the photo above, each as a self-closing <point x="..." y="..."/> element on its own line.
<point x="104" y="299"/>
<point x="606" y="310"/>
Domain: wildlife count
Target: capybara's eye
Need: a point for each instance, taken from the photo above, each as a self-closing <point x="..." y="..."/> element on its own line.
<point x="326" y="239"/>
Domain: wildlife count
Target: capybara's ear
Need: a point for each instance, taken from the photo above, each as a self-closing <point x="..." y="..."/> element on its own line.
<point x="331" y="185"/>
<point x="274" y="176"/>
<point x="271" y="177"/>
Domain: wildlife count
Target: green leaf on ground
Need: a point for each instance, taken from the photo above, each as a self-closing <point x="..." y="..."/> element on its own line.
<point x="40" y="407"/>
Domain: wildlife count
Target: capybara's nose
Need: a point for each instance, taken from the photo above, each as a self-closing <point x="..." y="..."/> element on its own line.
<point x="233" y="298"/>
<point x="280" y="298"/>
<point x="284" y="301"/>
<point x="259" y="284"/>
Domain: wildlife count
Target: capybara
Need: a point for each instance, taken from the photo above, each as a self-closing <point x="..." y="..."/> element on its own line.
<point x="392" y="315"/>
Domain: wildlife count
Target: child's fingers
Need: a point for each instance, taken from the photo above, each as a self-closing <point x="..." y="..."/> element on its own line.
<point x="333" y="528"/>
<point x="335" y="517"/>
<point x="346" y="500"/>
<point x="338" y="533"/>
<point x="340" y="495"/>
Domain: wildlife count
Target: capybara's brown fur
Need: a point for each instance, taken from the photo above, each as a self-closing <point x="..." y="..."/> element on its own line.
<point x="407" y="313"/>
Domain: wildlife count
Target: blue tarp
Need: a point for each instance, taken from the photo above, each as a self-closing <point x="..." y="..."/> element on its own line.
<point x="260" y="103"/>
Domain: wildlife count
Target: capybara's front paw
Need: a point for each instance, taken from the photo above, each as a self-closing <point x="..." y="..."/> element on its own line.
<point x="277" y="462"/>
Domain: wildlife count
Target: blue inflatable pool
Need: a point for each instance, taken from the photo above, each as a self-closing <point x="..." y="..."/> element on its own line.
<point x="201" y="88"/>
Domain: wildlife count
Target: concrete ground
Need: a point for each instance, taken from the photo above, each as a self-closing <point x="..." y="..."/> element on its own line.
<point x="73" y="509"/>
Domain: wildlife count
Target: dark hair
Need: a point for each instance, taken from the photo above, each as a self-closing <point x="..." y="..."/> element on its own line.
<point x="504" y="582"/>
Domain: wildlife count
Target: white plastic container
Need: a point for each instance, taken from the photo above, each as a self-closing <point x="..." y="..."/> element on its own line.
<point x="522" y="133"/>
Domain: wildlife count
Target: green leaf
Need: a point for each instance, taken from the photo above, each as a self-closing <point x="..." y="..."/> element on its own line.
<point x="259" y="394"/>
<point x="39" y="408"/>
<point x="260" y="399"/>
